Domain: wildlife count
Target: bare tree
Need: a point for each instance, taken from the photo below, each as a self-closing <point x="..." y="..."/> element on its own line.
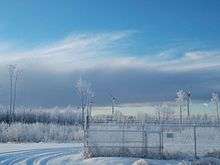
<point x="215" y="100"/>
<point x="180" y="99"/>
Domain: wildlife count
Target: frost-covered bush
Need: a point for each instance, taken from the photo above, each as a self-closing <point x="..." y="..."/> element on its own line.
<point x="39" y="132"/>
<point x="140" y="162"/>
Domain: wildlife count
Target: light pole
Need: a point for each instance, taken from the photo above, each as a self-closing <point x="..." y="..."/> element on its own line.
<point x="11" y="70"/>
<point x="188" y="96"/>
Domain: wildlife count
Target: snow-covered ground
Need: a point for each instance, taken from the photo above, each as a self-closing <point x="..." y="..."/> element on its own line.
<point x="64" y="154"/>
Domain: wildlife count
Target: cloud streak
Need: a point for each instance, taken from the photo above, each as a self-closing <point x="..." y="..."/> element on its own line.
<point x="89" y="51"/>
<point x="74" y="52"/>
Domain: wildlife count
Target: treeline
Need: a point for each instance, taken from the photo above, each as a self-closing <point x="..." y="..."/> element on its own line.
<point x="63" y="116"/>
<point x="158" y="118"/>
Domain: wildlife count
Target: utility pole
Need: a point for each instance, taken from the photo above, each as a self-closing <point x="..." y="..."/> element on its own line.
<point x="17" y="74"/>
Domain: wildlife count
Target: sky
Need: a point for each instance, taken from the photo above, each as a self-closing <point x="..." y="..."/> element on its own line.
<point x="140" y="51"/>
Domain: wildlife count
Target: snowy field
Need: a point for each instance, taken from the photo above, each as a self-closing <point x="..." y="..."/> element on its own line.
<point x="64" y="154"/>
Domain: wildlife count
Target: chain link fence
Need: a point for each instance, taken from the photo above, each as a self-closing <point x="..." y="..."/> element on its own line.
<point x="171" y="141"/>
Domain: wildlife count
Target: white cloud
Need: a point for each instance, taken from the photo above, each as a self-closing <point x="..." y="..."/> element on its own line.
<point x="87" y="51"/>
<point x="195" y="60"/>
<point x="74" y="52"/>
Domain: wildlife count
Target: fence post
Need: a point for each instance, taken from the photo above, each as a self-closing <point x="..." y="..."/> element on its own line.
<point x="146" y="141"/>
<point x="143" y="140"/>
<point x="123" y="138"/>
<point x="161" y="141"/>
<point x="195" y="141"/>
<point x="85" y="131"/>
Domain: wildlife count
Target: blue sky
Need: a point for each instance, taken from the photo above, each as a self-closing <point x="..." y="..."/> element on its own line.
<point x="160" y="24"/>
<point x="150" y="48"/>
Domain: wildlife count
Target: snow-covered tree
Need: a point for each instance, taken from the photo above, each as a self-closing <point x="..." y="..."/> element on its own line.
<point x="215" y="100"/>
<point x="85" y="93"/>
<point x="180" y="99"/>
